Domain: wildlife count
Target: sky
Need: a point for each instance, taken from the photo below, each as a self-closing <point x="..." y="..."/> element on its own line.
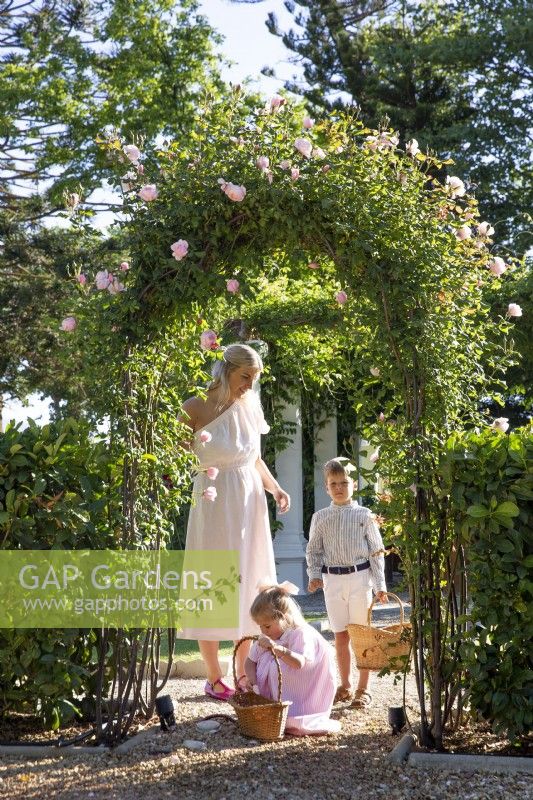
<point x="250" y="46"/>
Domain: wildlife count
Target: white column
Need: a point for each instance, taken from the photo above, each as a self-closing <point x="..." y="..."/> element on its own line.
<point x="325" y="449"/>
<point x="289" y="544"/>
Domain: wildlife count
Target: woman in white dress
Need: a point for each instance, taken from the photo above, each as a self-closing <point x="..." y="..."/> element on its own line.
<point x="238" y="518"/>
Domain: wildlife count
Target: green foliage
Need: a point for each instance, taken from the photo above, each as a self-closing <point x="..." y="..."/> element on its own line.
<point x="455" y="76"/>
<point x="59" y="489"/>
<point x="491" y="477"/>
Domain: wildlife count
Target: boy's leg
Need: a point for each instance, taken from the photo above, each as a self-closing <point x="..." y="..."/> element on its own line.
<point x="344" y="659"/>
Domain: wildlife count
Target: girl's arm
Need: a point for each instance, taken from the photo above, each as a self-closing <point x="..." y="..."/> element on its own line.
<point x="250" y="670"/>
<point x="289" y="657"/>
<point x="271" y="485"/>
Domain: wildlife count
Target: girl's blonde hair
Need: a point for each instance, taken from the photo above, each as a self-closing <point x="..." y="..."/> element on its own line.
<point x="235" y="356"/>
<point x="275" y="602"/>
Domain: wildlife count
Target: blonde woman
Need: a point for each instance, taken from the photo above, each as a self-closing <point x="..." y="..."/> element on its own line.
<point x="227" y="427"/>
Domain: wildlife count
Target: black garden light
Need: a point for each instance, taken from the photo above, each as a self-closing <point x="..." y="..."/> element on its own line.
<point x="165" y="710"/>
<point x="397" y="719"/>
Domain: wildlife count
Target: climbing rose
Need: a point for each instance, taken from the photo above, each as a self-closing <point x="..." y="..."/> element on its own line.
<point x="285" y="164"/>
<point x="82" y="279"/>
<point x="232" y="285"/>
<point x="455" y="186"/>
<point x="308" y="123"/>
<point x="381" y="417"/>
<point x="485" y="229"/>
<point x="205" y="437"/>
<point x="313" y="265"/>
<point x="374" y="457"/>
<point x="232" y="190"/>
<point x="132" y="153"/>
<point x="374" y="371"/>
<point x="148" y="192"/>
<point x="263" y="163"/>
<point x="115" y="286"/>
<point x="102" y="279"/>
<point x="464" y="232"/>
<point x="295" y="174"/>
<point x="372" y="142"/>
<point x="212" y="473"/>
<point x="514" y="310"/>
<point x="497" y="266"/>
<point x="179" y="249"/>
<point x="318" y="153"/>
<point x="69" y="324"/>
<point x="208" y="340"/>
<point x="341" y="298"/>
<point x="276" y="103"/>
<point x="210" y="493"/>
<point x="124" y="266"/>
<point x="73" y="200"/>
<point x="412" y="147"/>
<point x="303" y="146"/>
<point x="500" y="424"/>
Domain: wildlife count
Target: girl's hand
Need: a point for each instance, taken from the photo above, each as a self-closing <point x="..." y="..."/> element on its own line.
<point x="382" y="597"/>
<point x="283" y="501"/>
<point x="266" y="642"/>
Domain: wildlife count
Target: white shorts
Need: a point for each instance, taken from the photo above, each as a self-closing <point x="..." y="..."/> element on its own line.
<point x="348" y="598"/>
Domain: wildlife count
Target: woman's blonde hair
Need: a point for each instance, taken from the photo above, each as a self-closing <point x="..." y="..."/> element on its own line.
<point x="275" y="602"/>
<point x="235" y="356"/>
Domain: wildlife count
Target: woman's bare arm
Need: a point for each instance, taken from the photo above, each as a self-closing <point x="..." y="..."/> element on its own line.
<point x="271" y="485"/>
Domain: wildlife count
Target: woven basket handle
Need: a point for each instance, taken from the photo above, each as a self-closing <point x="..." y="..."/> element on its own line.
<point x="254" y="639"/>
<point x="389" y="594"/>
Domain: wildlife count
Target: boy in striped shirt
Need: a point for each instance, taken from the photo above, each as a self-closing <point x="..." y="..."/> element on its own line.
<point x="345" y="557"/>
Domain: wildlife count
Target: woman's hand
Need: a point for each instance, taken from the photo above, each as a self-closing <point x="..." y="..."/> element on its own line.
<point x="382" y="597"/>
<point x="283" y="501"/>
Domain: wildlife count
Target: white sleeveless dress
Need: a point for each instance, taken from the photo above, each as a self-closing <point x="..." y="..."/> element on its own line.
<point x="238" y="518"/>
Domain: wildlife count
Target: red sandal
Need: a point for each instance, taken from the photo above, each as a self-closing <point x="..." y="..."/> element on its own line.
<point x="225" y="694"/>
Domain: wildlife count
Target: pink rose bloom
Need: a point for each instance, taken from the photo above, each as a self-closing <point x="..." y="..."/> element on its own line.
<point x="232" y="190"/>
<point x="212" y="473"/>
<point x="205" y="437"/>
<point x="308" y="123"/>
<point x="263" y="163"/>
<point x="372" y="142"/>
<point x="497" y="266"/>
<point x="341" y="298"/>
<point x="69" y="324"/>
<point x="326" y="168"/>
<point x="303" y="146"/>
<point x="485" y="229"/>
<point x="140" y="169"/>
<point x="374" y="457"/>
<point x="318" y="153"/>
<point x="179" y="249"/>
<point x="313" y="265"/>
<point x="375" y="372"/>
<point x="115" y="286"/>
<point x="210" y="493"/>
<point x="514" y="310"/>
<point x="285" y="164"/>
<point x="148" y="192"/>
<point x="464" y="232"/>
<point x="455" y="186"/>
<point x="208" y="340"/>
<point x="132" y="152"/>
<point x="295" y="174"/>
<point x="500" y="424"/>
<point x="269" y="174"/>
<point x="381" y="417"/>
<point x="412" y="147"/>
<point x="124" y="266"/>
<point x="387" y="140"/>
<point x="232" y="285"/>
<point x="276" y="103"/>
<point x="102" y="279"/>
<point x="82" y="279"/>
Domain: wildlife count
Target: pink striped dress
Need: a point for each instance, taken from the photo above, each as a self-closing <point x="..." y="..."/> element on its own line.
<point x="310" y="689"/>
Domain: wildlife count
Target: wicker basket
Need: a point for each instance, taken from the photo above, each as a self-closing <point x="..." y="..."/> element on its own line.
<point x="376" y="648"/>
<point x="259" y="717"/>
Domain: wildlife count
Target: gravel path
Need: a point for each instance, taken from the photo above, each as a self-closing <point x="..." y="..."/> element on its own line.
<point x="347" y="766"/>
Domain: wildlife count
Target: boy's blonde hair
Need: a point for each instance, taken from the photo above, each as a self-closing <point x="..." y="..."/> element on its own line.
<point x="338" y="466"/>
<point x="276" y="603"/>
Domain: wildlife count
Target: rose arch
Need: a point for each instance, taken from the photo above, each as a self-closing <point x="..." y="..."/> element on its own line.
<point x="344" y="251"/>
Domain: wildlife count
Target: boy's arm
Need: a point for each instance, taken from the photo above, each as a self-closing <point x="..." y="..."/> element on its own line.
<point x="315" y="555"/>
<point x="376" y="556"/>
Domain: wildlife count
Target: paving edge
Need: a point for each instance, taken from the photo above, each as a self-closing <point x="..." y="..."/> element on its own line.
<point x="467" y="763"/>
<point x="401" y="752"/>
<point x="45" y="751"/>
